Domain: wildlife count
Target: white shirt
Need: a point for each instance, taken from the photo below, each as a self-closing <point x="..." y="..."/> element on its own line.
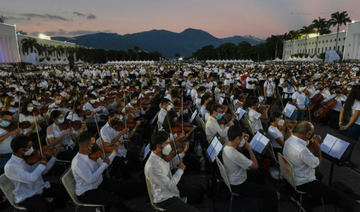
<point x="5" y="147"/>
<point x="254" y="118"/>
<point x="162" y="182"/>
<point x="235" y="165"/>
<point x="27" y="179"/>
<point x="87" y="173"/>
<point x="53" y="131"/>
<point x="30" y="119"/>
<point x="212" y="127"/>
<point x="275" y="133"/>
<point x="300" y="99"/>
<point x="161" y="116"/>
<point x="355" y="107"/>
<point x="108" y="133"/>
<point x="270" y="88"/>
<point x="303" y="161"/>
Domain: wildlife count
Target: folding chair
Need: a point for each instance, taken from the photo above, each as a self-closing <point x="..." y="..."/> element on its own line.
<point x="69" y="183"/>
<point x="227" y="183"/>
<point x="155" y="207"/>
<point x="274" y="170"/>
<point x="287" y="171"/>
<point x="7" y="188"/>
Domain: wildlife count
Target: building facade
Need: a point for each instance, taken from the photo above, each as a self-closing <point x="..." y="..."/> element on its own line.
<point x="348" y="43"/>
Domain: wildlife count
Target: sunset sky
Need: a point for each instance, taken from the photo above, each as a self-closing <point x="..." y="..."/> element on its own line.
<point x="221" y="18"/>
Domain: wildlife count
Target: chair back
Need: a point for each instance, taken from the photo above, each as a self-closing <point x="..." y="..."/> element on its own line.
<point x="148" y="186"/>
<point x="7" y="187"/>
<point x="223" y="174"/>
<point x="68" y="181"/>
<point x="287" y="170"/>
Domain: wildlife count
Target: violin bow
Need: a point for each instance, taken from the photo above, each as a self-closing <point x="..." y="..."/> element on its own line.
<point x="182" y="109"/>
<point x="176" y="152"/>
<point x="38" y="136"/>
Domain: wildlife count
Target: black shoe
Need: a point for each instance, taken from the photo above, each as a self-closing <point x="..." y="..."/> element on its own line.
<point x="351" y="164"/>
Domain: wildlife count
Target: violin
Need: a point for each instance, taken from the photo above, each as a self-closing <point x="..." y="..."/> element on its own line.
<point x="108" y="149"/>
<point x="225" y="118"/>
<point x="96" y="105"/>
<point x="65" y="125"/>
<point x="178" y="127"/>
<point x="76" y="124"/>
<point x="36" y="156"/>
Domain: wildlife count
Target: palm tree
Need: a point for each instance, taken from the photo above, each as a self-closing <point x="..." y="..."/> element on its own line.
<point x="28" y="44"/>
<point x="319" y="24"/>
<point x="338" y="19"/>
<point x="294" y="35"/>
<point x="305" y="31"/>
<point x="137" y="49"/>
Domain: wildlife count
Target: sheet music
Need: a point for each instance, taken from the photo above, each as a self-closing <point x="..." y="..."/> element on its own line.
<point x="214" y="149"/>
<point x="259" y="142"/>
<point x="334" y="147"/>
<point x="153" y="120"/>
<point x="221" y="100"/>
<point x="146" y="151"/>
<point x="193" y="116"/>
<point x="241" y="112"/>
<point x="289" y="110"/>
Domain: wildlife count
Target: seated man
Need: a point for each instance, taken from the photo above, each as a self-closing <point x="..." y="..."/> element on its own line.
<point x="30" y="189"/>
<point x="212" y="125"/>
<point x="164" y="184"/>
<point x="236" y="165"/>
<point x="297" y="152"/>
<point x="90" y="186"/>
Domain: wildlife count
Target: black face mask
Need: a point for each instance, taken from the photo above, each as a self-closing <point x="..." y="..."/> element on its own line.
<point x="338" y="92"/>
<point x="321" y="89"/>
<point x="114" y="122"/>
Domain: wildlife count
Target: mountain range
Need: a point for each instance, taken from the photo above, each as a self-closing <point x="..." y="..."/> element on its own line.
<point x="166" y="42"/>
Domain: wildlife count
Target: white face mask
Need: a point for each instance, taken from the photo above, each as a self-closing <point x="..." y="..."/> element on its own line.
<point x="102" y="98"/>
<point x="58" y="101"/>
<point x="12" y="103"/>
<point x="242" y="143"/>
<point x="169" y="107"/>
<point x="166" y="150"/>
<point x="281" y="122"/>
<point x="29" y="151"/>
<point x="30" y="109"/>
<point x="92" y="101"/>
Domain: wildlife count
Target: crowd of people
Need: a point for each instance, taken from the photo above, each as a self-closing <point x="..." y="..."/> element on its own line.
<point x="111" y="122"/>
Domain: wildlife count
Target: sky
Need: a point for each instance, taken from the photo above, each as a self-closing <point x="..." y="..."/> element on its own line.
<point x="221" y="18"/>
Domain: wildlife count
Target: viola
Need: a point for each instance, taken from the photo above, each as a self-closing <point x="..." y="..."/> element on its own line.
<point x="325" y="108"/>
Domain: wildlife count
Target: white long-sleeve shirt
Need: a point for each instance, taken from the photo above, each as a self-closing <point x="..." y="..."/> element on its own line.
<point x="88" y="173"/>
<point x="163" y="183"/>
<point x="26" y="178"/>
<point x="212" y="127"/>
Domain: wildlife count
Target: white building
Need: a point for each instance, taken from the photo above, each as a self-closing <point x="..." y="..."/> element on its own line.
<point x="11" y="47"/>
<point x="348" y="43"/>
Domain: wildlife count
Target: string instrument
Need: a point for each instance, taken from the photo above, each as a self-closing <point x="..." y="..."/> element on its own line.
<point x="175" y="147"/>
<point x="96" y="104"/>
<point x="76" y="124"/>
<point x="36" y="155"/>
<point x="315" y="101"/>
<point x="181" y="127"/>
<point x="325" y="108"/>
<point x="225" y="118"/>
<point x="106" y="146"/>
<point x="66" y="125"/>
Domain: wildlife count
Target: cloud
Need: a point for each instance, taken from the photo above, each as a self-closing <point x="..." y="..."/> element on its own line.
<point x="13" y="18"/>
<point x="62" y="32"/>
<point x="91" y="16"/>
<point x="46" y="16"/>
<point x="79" y="14"/>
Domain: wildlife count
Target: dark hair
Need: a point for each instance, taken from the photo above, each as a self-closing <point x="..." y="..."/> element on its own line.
<point x="5" y="113"/>
<point x="214" y="108"/>
<point x="235" y="131"/>
<point x="354" y="95"/>
<point x="19" y="142"/>
<point x="158" y="138"/>
<point x="54" y="115"/>
<point x="85" y="137"/>
<point x="204" y="98"/>
<point x="112" y="113"/>
<point x="165" y="101"/>
<point x="24" y="107"/>
<point x="250" y="102"/>
<point x="274" y="115"/>
<point x="169" y="118"/>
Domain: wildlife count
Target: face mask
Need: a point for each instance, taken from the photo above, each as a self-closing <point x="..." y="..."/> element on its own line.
<point x="270" y="79"/>
<point x="102" y="98"/>
<point x="29" y="151"/>
<point x="5" y="123"/>
<point x="349" y="89"/>
<point x="242" y="143"/>
<point x="202" y="94"/>
<point x="114" y="122"/>
<point x="12" y="103"/>
<point x="30" y="109"/>
<point x="134" y="102"/>
<point x="306" y="84"/>
<point x="169" y="107"/>
<point x="92" y="101"/>
<point x="60" y="121"/>
<point x="166" y="150"/>
<point x="58" y="101"/>
<point x="219" y="116"/>
<point x="281" y="122"/>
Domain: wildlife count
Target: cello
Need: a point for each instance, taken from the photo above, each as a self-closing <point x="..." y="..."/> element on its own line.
<point x="315" y="101"/>
<point x="325" y="108"/>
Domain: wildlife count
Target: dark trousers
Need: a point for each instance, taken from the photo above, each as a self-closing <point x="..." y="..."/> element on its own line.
<point x="67" y="155"/>
<point x="194" y="193"/>
<point x="119" y="167"/>
<point x="39" y="203"/>
<point x="111" y="193"/>
<point x="252" y="188"/>
<point x="176" y="205"/>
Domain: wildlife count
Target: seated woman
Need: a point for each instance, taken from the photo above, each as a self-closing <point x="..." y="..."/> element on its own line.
<point x="277" y="121"/>
<point x="26" y="114"/>
<point x="56" y="135"/>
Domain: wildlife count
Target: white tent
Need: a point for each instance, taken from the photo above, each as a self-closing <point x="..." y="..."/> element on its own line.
<point x="316" y="59"/>
<point x="277" y="60"/>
